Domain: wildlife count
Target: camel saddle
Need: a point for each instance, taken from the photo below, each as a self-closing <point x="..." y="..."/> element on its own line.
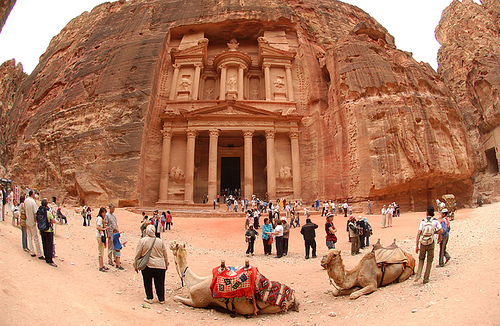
<point x="393" y="255"/>
<point x="248" y="283"/>
<point x="233" y="282"/>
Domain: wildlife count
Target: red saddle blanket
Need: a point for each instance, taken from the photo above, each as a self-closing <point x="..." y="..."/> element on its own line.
<point x="249" y="284"/>
<point x="233" y="282"/>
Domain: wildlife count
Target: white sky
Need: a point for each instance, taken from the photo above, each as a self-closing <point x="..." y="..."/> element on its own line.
<point x="32" y="24"/>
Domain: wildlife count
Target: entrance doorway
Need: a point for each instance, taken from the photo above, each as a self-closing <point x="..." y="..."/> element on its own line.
<point x="230" y="174"/>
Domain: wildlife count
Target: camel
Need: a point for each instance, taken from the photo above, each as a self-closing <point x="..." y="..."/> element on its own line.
<point x="366" y="277"/>
<point x="200" y="295"/>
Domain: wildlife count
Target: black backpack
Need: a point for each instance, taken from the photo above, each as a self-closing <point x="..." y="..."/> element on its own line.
<point x="41" y="219"/>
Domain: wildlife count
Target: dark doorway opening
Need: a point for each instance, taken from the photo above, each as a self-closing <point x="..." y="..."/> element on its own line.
<point x="230" y="173"/>
<point x="491" y="159"/>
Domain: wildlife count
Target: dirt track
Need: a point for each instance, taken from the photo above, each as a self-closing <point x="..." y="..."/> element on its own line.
<point x="465" y="292"/>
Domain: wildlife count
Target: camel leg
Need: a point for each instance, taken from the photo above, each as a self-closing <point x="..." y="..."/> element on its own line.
<point x="366" y="290"/>
<point x="340" y="292"/>
<point x="408" y="271"/>
<point x="189" y="302"/>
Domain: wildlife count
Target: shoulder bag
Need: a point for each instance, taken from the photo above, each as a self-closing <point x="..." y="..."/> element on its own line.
<point x="142" y="262"/>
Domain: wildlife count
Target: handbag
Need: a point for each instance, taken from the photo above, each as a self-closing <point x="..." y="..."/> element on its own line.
<point x="142" y="262"/>
<point x="103" y="239"/>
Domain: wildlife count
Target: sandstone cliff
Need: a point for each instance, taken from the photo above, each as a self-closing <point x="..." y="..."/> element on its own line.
<point x="378" y="125"/>
<point x="469" y="63"/>
<point x="5" y="9"/>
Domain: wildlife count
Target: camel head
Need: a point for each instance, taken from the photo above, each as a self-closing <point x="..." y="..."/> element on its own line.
<point x="331" y="258"/>
<point x="294" y="306"/>
<point x="178" y="249"/>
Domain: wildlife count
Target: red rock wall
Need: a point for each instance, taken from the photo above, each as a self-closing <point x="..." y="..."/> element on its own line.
<point x="377" y="124"/>
<point x="5" y="9"/>
<point x="469" y="63"/>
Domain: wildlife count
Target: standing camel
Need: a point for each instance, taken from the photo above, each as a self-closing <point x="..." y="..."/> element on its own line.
<point x="200" y="295"/>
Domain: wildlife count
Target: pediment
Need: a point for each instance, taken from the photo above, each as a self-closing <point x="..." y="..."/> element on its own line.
<point x="197" y="51"/>
<point x="268" y="51"/>
<point x="229" y="109"/>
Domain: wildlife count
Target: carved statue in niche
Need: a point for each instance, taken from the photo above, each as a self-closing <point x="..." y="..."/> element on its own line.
<point x="279" y="83"/>
<point x="176" y="174"/>
<point x="209" y="93"/>
<point x="285" y="173"/>
<point x="233" y="45"/>
<point x="231" y="84"/>
<point x="185" y="83"/>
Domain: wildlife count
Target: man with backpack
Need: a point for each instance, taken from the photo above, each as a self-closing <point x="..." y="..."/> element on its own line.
<point x="45" y="221"/>
<point x="426" y="242"/>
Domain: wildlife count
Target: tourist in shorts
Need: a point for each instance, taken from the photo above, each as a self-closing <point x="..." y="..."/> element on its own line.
<point x="117" y="246"/>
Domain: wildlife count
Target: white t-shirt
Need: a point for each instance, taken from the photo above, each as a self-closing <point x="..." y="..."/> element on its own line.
<point x="99" y="223"/>
<point x="279" y="229"/>
<point x="435" y="224"/>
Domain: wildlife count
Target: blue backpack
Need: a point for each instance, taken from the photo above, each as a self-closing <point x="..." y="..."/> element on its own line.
<point x="41" y="219"/>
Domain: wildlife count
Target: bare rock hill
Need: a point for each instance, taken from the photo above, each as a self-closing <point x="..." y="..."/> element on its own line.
<point x="469" y="64"/>
<point x="378" y="125"/>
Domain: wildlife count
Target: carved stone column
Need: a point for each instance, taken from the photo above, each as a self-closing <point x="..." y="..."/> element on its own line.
<point x="297" y="179"/>
<point x="271" y="165"/>
<point x="189" y="176"/>
<point x="289" y="82"/>
<point x="196" y="84"/>
<point x="212" y="164"/>
<point x="165" y="163"/>
<point x="240" y="83"/>
<point x="223" y="81"/>
<point x="248" y="164"/>
<point x="267" y="79"/>
<point x="175" y="78"/>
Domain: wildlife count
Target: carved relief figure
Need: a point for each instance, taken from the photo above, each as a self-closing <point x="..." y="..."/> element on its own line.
<point x="176" y="174"/>
<point x="233" y="45"/>
<point x="285" y="173"/>
<point x="185" y="83"/>
<point x="279" y="83"/>
<point x="231" y="84"/>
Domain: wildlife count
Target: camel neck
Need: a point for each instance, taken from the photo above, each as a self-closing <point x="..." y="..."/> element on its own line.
<point x="188" y="277"/>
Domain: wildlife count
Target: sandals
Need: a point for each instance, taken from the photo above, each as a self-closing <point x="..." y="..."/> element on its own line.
<point x="150" y="301"/>
<point x="102" y="269"/>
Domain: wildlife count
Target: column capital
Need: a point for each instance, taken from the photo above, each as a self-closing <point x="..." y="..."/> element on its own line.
<point x="198" y="64"/>
<point x="214" y="133"/>
<point x="270" y="134"/>
<point x="247" y="133"/>
<point x="266" y="65"/>
<point x="191" y="133"/>
<point x="167" y="132"/>
<point x="176" y="65"/>
<point x="288" y="66"/>
<point x="293" y="134"/>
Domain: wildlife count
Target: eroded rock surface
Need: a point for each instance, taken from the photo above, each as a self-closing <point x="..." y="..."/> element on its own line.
<point x="469" y="63"/>
<point x="377" y="124"/>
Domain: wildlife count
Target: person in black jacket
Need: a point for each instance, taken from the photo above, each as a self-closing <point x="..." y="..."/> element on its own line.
<point x="309" y="234"/>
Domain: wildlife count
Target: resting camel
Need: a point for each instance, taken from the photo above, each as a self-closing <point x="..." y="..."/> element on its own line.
<point x="200" y="295"/>
<point x="366" y="277"/>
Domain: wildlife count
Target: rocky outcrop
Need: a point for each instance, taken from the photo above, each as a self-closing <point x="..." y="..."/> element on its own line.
<point x="5" y="9"/>
<point x="11" y="77"/>
<point x="378" y="125"/>
<point x="469" y="63"/>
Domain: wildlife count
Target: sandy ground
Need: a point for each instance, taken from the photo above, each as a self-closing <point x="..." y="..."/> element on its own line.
<point x="465" y="292"/>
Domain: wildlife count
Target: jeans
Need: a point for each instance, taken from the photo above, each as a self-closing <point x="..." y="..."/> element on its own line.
<point x="24" y="235"/>
<point x="48" y="245"/>
<point x="279" y="247"/>
<point x="251" y="242"/>
<point x="442" y="251"/>
<point x="158" y="275"/>
<point x="285" y="246"/>
<point x="330" y="245"/>
<point x="311" y="243"/>
<point x="429" y="251"/>
<point x="267" y="246"/>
